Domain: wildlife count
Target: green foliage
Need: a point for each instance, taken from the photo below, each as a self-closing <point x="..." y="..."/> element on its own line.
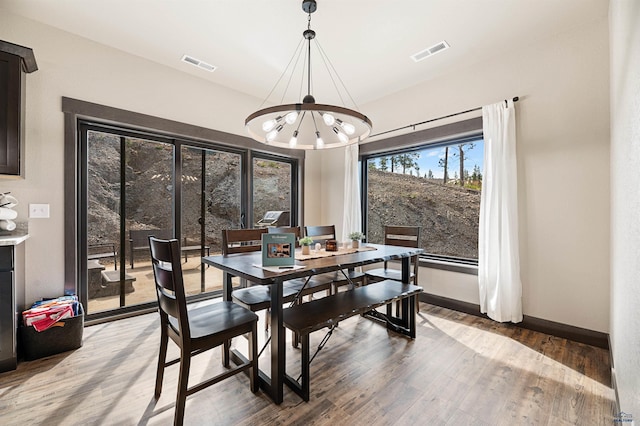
<point x="306" y="241"/>
<point x="356" y="236"/>
<point x="270" y="164"/>
<point x="383" y="164"/>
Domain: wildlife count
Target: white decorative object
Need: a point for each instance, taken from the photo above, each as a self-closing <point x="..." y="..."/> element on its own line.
<point x="8" y="201"/>
<point x="7" y="225"/>
<point x="7" y="214"/>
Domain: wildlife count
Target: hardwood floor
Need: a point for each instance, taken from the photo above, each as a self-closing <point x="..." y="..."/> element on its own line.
<point x="461" y="370"/>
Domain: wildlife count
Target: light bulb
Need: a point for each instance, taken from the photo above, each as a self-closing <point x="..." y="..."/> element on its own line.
<point x="343" y="138"/>
<point x="291" y="117"/>
<point x="268" y="125"/>
<point x="319" y="141"/>
<point x="328" y="119"/>
<point x="294" y="139"/>
<point x="272" y="134"/>
<point x="348" y="128"/>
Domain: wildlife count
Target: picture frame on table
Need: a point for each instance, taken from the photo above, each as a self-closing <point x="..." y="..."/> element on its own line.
<point x="278" y="249"/>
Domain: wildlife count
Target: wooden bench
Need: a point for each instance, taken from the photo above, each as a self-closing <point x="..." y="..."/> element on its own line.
<point x="308" y="317"/>
<point x="139" y="240"/>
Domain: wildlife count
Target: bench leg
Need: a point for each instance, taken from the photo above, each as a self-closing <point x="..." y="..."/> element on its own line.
<point x="412" y="315"/>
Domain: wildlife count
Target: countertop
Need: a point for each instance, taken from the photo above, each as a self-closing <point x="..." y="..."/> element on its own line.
<point x="13" y="239"/>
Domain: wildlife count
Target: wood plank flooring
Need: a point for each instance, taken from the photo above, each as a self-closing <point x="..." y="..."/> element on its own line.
<point x="461" y="370"/>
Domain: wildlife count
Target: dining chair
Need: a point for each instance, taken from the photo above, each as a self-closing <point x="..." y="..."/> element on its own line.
<point x="195" y="329"/>
<point x="255" y="298"/>
<point x="321" y="234"/>
<point x="404" y="236"/>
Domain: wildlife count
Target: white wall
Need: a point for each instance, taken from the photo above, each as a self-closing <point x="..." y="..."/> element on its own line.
<point x="78" y="68"/>
<point x="563" y="161"/>
<point x="625" y="201"/>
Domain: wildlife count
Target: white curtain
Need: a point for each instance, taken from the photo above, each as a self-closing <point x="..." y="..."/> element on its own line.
<point x="352" y="219"/>
<point x="498" y="259"/>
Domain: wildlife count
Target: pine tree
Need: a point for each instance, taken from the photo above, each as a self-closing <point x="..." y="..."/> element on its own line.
<point x="383" y="164"/>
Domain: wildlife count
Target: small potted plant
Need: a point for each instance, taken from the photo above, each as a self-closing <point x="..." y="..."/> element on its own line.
<point x="355" y="238"/>
<point x="305" y="243"/>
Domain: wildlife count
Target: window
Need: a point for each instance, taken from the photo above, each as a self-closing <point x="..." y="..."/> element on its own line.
<point x="272" y="177"/>
<point x="436" y="186"/>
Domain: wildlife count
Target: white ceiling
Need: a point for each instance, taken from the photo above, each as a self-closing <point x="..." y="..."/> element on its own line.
<point x="368" y="42"/>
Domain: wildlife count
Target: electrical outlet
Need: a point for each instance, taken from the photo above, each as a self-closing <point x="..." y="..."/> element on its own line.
<point x="38" y="211"/>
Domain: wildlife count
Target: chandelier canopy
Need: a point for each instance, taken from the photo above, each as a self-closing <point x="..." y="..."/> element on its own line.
<point x="308" y="125"/>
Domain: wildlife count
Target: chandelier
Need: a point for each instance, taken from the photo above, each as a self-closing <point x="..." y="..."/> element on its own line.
<point x="308" y="125"/>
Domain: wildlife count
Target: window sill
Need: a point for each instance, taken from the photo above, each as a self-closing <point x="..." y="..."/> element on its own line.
<point x="449" y="266"/>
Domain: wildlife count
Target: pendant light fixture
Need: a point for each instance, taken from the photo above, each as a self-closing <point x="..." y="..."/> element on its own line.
<point x="308" y="125"/>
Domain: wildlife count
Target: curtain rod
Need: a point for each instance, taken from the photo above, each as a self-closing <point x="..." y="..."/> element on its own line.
<point x="515" y="99"/>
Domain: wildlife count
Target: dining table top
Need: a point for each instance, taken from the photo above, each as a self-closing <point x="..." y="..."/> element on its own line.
<point x="248" y="265"/>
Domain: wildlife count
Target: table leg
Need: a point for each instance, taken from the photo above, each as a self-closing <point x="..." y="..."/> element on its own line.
<point x="277" y="343"/>
<point x="227" y="286"/>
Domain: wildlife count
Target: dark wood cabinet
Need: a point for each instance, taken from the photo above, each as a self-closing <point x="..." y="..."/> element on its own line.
<point x="15" y="62"/>
<point x="11" y="303"/>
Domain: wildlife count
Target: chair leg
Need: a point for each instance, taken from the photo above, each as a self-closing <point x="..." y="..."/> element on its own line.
<point x="253" y="350"/>
<point x="226" y="347"/>
<point x="183" y="381"/>
<point x="162" y="359"/>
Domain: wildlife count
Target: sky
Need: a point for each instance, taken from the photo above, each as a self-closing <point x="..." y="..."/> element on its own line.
<point x="429" y="159"/>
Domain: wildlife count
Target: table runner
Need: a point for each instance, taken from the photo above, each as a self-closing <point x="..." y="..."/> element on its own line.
<point x="323" y="253"/>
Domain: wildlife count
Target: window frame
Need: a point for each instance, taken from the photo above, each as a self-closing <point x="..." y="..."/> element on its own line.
<point x="295" y="173"/>
<point x="449" y="134"/>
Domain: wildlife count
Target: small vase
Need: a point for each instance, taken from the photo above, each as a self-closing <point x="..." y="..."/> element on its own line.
<point x="305" y="249"/>
<point x="355" y="244"/>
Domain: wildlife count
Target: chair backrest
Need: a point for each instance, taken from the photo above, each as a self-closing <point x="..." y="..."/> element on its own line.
<point x="167" y="272"/>
<point x="242" y="240"/>
<point x="321" y="234"/>
<point x="404" y="236"/>
<point x="295" y="230"/>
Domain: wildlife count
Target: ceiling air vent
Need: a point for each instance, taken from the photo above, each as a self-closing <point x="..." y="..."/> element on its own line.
<point x="198" y="63"/>
<point x="436" y="48"/>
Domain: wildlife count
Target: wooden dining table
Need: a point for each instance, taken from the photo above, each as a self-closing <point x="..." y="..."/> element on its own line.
<point x="248" y="266"/>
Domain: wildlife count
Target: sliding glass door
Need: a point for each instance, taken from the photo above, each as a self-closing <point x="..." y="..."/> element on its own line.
<point x="135" y="184"/>
<point x="211" y="191"/>
<point x="129" y="196"/>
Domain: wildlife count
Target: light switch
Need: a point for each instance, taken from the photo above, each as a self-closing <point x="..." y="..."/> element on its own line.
<point x="38" y="211"/>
